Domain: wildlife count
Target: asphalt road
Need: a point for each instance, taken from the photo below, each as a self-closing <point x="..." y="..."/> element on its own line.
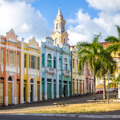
<point x="17" y="117"/>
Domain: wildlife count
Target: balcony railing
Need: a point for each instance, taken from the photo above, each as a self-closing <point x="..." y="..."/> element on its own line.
<point x="67" y="73"/>
<point x="50" y="70"/>
<point x="32" y="72"/>
<point x="12" y="69"/>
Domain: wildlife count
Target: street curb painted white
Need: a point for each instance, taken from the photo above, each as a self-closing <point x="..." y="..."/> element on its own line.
<point x="65" y="115"/>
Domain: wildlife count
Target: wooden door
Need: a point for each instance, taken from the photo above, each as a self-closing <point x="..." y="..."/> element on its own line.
<point x="43" y="90"/>
<point x="18" y="93"/>
<point x="9" y="93"/>
<point x="38" y="92"/>
<point x="48" y="90"/>
<point x="73" y="88"/>
<point x="54" y="90"/>
<point x="80" y="87"/>
<point x="1" y="92"/>
<point x="77" y="87"/>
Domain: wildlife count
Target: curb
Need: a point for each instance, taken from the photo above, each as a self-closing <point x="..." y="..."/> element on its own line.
<point x="65" y="115"/>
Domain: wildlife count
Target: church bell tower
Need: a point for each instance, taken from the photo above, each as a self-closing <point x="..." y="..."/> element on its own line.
<point x="59" y="34"/>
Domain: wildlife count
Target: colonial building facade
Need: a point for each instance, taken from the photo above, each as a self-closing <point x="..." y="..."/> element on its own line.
<point x="10" y="68"/>
<point x="56" y="62"/>
<point x="56" y="71"/>
<point x="31" y="70"/>
<point x="78" y="81"/>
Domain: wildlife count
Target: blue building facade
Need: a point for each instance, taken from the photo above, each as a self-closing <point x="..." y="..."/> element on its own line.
<point x="56" y="70"/>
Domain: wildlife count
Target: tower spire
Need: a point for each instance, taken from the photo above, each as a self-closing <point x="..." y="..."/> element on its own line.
<point x="59" y="11"/>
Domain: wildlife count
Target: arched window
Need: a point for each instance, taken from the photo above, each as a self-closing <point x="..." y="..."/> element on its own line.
<point x="65" y="60"/>
<point x="65" y="63"/>
<point x="49" y="56"/>
<point x="31" y="81"/>
<point x="64" y="40"/>
<point x="49" y="60"/>
<point x="55" y="41"/>
<point x="10" y="78"/>
<point x="57" y="26"/>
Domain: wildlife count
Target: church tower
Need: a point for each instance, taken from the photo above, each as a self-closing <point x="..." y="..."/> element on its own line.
<point x="59" y="34"/>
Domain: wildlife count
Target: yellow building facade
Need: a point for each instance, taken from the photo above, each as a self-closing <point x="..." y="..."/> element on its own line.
<point x="78" y="81"/>
<point x="31" y="71"/>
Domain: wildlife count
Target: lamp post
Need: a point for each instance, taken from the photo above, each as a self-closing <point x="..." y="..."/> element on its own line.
<point x="108" y="87"/>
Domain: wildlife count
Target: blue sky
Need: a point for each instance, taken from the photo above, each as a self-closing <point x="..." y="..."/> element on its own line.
<point x="84" y="18"/>
<point x="69" y="8"/>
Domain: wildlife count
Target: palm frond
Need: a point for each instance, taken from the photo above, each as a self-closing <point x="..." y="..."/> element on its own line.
<point x="112" y="39"/>
<point x="118" y="29"/>
<point x="96" y="38"/>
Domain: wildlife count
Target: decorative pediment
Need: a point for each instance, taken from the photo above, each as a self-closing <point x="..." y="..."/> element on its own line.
<point x="49" y="41"/>
<point x="11" y="36"/>
<point x="32" y="42"/>
<point x="65" y="47"/>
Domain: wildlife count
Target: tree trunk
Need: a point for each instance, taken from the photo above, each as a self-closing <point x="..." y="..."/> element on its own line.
<point x="94" y="85"/>
<point x="104" y="90"/>
<point x="115" y="90"/>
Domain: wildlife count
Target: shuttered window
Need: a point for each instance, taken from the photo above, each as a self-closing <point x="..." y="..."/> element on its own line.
<point x="43" y="60"/>
<point x="38" y="63"/>
<point x="18" y="59"/>
<point x="25" y="60"/>
<point x="32" y="62"/>
<point x="54" y="62"/>
<point x="2" y="56"/>
<point x="49" y="60"/>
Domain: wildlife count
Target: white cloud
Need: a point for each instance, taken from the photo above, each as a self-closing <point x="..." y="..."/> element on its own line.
<point x="83" y="28"/>
<point x="23" y="18"/>
<point x="107" y="5"/>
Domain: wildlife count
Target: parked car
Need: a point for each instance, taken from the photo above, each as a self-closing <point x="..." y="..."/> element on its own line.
<point x="116" y="90"/>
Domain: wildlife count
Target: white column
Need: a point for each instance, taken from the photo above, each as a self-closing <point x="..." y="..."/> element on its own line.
<point x="40" y="64"/>
<point x="52" y="88"/>
<point x="6" y="101"/>
<point x="57" y="80"/>
<point x="22" y="74"/>
<point x="45" y="81"/>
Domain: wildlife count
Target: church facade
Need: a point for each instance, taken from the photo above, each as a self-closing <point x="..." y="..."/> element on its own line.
<point x="56" y="62"/>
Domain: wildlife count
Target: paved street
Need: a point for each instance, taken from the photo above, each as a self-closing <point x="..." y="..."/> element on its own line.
<point x="7" y="117"/>
<point x="49" y="104"/>
<point x="14" y="117"/>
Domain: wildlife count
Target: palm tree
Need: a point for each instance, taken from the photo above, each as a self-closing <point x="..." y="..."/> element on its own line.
<point x="102" y="69"/>
<point x="115" y="42"/>
<point x="112" y="38"/>
<point x="114" y="82"/>
<point x="91" y="53"/>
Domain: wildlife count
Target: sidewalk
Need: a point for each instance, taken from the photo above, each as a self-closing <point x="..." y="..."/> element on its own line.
<point x="41" y="105"/>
